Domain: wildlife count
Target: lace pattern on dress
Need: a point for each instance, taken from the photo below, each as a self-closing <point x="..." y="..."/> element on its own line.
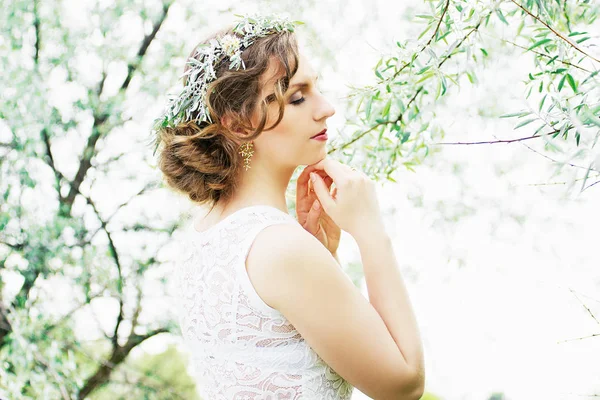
<point x="240" y="347"/>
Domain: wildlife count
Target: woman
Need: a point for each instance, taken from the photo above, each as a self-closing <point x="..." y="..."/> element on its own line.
<point x="267" y="313"/>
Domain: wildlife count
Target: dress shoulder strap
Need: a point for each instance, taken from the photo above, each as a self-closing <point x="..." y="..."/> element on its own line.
<point x="250" y="225"/>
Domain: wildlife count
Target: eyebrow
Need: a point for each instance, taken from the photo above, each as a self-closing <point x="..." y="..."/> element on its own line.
<point x="304" y="84"/>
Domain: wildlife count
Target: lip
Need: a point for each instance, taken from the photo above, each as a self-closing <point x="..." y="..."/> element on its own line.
<point x="323" y="132"/>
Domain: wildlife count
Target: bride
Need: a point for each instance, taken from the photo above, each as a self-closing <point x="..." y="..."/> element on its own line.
<point x="266" y="311"/>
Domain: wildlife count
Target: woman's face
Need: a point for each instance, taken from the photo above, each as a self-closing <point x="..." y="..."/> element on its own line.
<point x="306" y="112"/>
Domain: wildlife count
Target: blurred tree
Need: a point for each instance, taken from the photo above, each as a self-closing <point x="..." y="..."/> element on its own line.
<point x="48" y="239"/>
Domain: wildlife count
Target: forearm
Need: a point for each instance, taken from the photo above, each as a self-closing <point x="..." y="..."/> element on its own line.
<point x="388" y="295"/>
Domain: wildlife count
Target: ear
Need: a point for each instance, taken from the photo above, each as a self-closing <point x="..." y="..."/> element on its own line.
<point x="230" y="123"/>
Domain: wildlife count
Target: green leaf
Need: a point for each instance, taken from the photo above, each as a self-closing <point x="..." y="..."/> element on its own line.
<point x="368" y="109"/>
<point x="587" y="173"/>
<point x="485" y="53"/>
<point x="443" y="36"/>
<point x="539" y="129"/>
<point x="386" y="108"/>
<point x="518" y="114"/>
<point x="564" y="131"/>
<point x="470" y="76"/>
<point x="501" y="16"/>
<point x="359" y="104"/>
<point x="577" y="137"/>
<point x="593" y="74"/>
<point x="556" y="134"/>
<point x="405" y="137"/>
<point x="571" y="82"/>
<point x="424" y="32"/>
<point x="539" y="43"/>
<point x="562" y="83"/>
<point x="526" y="122"/>
<point x="542" y="102"/>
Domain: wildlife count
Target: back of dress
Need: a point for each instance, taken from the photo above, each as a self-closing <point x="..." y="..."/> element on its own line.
<point x="240" y="347"/>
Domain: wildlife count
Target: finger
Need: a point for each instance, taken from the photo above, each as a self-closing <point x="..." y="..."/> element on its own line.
<point x="336" y="170"/>
<point x="303" y="178"/>
<point x="312" y="221"/>
<point x="326" y="178"/>
<point x="322" y="192"/>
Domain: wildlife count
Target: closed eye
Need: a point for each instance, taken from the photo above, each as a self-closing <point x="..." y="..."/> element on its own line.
<point x="302" y="99"/>
<point x="299" y="101"/>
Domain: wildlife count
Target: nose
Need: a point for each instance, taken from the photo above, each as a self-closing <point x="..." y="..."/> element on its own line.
<point x="324" y="108"/>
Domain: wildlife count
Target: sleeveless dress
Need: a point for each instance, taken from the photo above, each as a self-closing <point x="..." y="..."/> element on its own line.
<point x="240" y="347"/>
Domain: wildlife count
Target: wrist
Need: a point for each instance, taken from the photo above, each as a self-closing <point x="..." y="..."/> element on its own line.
<point x="373" y="232"/>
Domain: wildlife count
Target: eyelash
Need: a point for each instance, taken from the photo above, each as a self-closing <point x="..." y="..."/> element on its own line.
<point x="302" y="99"/>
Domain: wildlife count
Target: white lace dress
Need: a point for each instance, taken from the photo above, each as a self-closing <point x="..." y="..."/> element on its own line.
<point x="240" y="347"/>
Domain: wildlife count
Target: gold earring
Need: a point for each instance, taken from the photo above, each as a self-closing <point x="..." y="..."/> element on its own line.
<point x="246" y="152"/>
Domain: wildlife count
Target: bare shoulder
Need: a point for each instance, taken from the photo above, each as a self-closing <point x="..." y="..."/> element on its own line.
<point x="270" y="253"/>
<point x="295" y="274"/>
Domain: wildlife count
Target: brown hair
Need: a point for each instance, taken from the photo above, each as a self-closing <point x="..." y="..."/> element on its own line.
<point x="203" y="160"/>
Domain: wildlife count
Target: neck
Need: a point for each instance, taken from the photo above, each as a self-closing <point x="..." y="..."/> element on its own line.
<point x="261" y="185"/>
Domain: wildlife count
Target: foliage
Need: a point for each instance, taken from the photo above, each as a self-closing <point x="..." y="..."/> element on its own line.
<point x="395" y="120"/>
<point x="62" y="253"/>
<point x="162" y="372"/>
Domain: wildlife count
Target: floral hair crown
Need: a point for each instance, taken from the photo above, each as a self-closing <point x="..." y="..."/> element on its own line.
<point x="190" y="104"/>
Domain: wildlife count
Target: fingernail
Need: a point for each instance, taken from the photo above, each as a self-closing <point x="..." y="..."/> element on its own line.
<point x="313" y="176"/>
<point x="316" y="205"/>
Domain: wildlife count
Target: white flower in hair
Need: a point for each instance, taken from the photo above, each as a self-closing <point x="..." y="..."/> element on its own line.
<point x="230" y="45"/>
<point x="190" y="104"/>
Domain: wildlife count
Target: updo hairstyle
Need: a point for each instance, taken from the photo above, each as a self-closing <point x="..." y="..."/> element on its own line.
<point x="203" y="160"/>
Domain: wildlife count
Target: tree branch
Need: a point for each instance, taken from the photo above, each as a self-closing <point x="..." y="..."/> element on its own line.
<point x="422" y="49"/>
<point x="589" y="186"/>
<point x="555" y="161"/>
<point x="555" y="31"/>
<point x="102" y="374"/>
<point x="400" y="117"/>
<point x="115" y="256"/>
<point x="36" y="25"/>
<point x="99" y="120"/>
<point x="50" y="161"/>
<point x="133" y="66"/>
<point x="397" y="120"/>
<point x="545" y="55"/>
<point x="50" y="328"/>
<point x="5" y="326"/>
<point x="500" y="141"/>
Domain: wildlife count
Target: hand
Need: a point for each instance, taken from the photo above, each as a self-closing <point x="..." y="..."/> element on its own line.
<point x="355" y="209"/>
<point x="317" y="222"/>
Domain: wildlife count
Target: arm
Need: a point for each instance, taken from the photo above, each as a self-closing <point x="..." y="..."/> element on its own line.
<point x="389" y="297"/>
<point x="305" y="283"/>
